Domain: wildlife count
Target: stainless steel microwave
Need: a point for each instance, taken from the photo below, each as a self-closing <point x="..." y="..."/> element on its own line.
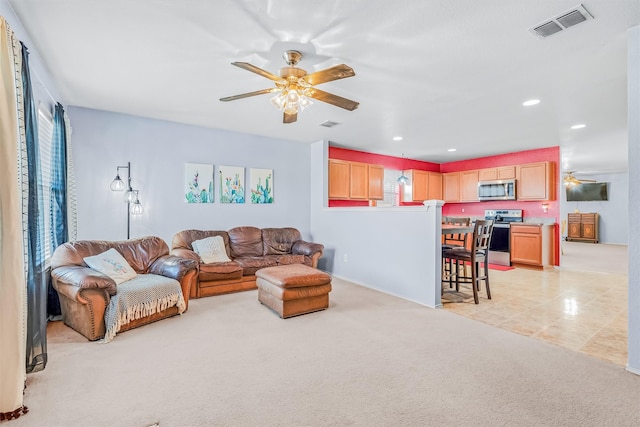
<point x="504" y="189"/>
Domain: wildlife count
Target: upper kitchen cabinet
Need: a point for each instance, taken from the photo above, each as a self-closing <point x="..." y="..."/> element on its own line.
<point x="359" y="181"/>
<point x="469" y="186"/>
<point x="536" y="181"/>
<point x="451" y="187"/>
<point x="494" y="174"/>
<point x="376" y="182"/>
<point x="339" y="171"/>
<point x="422" y="185"/>
<point x="355" y="181"/>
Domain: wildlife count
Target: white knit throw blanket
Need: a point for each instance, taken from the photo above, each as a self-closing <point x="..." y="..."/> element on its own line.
<point x="139" y="297"/>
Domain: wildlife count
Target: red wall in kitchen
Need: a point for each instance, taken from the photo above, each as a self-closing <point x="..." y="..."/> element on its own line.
<point x="474" y="209"/>
<point x="389" y="162"/>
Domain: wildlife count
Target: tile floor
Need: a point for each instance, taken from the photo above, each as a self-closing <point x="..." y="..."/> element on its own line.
<point x="580" y="310"/>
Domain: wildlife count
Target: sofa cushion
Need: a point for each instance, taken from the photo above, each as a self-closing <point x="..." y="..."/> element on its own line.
<point x="245" y="242"/>
<point x="220" y="271"/>
<point x="293" y="259"/>
<point x="112" y="264"/>
<point x="140" y="253"/>
<point x="252" y="264"/>
<point x="185" y="238"/>
<point x="211" y="249"/>
<point x="278" y="241"/>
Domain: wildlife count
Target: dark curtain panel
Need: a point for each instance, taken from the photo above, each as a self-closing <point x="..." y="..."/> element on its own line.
<point x="58" y="214"/>
<point x="36" y="275"/>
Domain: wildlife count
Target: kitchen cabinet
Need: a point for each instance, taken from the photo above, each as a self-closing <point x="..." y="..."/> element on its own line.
<point x="535" y="181"/>
<point x="435" y="186"/>
<point x="451" y="187"/>
<point x="494" y="174"/>
<point x="583" y="227"/>
<point x="339" y="181"/>
<point x="422" y="185"/>
<point x="358" y="181"/>
<point x="355" y="180"/>
<point x="532" y="244"/>
<point x="376" y="182"/>
<point x="469" y="186"/>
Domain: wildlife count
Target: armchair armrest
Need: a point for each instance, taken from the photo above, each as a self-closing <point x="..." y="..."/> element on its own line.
<point x="173" y="266"/>
<point x="301" y="247"/>
<point x="82" y="278"/>
<point x="186" y="253"/>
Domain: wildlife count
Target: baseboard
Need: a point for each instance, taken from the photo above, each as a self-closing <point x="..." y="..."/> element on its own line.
<point x="633" y="370"/>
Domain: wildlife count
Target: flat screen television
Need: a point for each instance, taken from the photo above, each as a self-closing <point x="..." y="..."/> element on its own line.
<point x="587" y="191"/>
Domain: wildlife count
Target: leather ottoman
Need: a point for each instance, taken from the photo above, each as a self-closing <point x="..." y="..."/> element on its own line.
<point x="291" y="290"/>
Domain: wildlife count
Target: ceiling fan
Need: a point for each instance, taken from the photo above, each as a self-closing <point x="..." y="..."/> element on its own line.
<point x="570" y="180"/>
<point x="294" y="86"/>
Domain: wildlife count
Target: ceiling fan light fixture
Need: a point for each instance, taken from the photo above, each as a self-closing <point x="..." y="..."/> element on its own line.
<point x="291" y="101"/>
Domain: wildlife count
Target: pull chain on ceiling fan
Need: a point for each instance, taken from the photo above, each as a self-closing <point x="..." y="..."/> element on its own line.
<point x="294" y="86"/>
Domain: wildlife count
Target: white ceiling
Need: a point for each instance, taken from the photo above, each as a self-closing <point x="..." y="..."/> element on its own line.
<point x="441" y="73"/>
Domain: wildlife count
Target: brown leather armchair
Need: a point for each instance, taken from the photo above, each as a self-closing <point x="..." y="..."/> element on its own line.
<point x="85" y="293"/>
<point x="250" y="249"/>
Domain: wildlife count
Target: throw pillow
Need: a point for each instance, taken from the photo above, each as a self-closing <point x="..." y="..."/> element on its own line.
<point x="112" y="264"/>
<point x="211" y="249"/>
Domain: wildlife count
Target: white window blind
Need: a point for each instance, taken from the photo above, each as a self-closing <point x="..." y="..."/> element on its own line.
<point x="45" y="136"/>
<point x="391" y="188"/>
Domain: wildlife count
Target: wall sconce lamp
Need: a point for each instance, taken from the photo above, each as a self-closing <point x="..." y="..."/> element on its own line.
<point x="545" y="207"/>
<point x="134" y="207"/>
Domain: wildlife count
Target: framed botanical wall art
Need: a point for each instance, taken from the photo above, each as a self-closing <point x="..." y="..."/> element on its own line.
<point x="198" y="180"/>
<point x="231" y="184"/>
<point x="261" y="184"/>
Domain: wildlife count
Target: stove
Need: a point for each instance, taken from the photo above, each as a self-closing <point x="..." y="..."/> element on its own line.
<point x="500" y="246"/>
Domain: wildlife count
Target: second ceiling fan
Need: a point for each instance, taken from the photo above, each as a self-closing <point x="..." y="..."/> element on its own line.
<point x="570" y="180"/>
<point x="294" y="86"/>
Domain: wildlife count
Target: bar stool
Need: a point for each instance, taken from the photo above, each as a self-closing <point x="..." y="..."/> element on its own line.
<point x="454" y="241"/>
<point x="478" y="254"/>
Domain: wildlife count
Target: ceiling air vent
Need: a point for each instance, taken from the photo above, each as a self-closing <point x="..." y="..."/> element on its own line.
<point x="329" y="124"/>
<point x="561" y="22"/>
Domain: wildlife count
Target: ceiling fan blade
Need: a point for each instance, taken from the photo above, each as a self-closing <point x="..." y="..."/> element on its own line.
<point x="248" y="94"/>
<point x="257" y="70"/>
<point x="290" y="118"/>
<point x="341" y="71"/>
<point x="332" y="99"/>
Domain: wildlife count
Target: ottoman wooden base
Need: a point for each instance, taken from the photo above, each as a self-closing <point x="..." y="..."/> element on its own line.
<point x="292" y="290"/>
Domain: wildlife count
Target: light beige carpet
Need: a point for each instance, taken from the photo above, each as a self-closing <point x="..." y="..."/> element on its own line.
<point x="601" y="257"/>
<point x="369" y="360"/>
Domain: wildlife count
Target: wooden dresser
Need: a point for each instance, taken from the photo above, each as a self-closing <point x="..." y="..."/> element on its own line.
<point x="583" y="227"/>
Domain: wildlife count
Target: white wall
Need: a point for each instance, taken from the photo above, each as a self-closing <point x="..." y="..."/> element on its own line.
<point x="44" y="90"/>
<point x="158" y="151"/>
<point x="633" y="76"/>
<point x="614" y="213"/>
<point x="395" y="250"/>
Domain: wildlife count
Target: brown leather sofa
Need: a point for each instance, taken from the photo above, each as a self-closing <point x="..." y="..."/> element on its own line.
<point x="250" y="249"/>
<point x="85" y="293"/>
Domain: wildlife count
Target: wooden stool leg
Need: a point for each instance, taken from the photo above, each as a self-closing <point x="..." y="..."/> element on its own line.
<point x="475" y="282"/>
<point x="486" y="279"/>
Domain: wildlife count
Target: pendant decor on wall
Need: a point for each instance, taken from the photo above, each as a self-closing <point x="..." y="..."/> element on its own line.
<point x="261" y="184"/>
<point x="198" y="180"/>
<point x="231" y="184"/>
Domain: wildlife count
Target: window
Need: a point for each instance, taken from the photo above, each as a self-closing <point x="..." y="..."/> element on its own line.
<point x="45" y="136"/>
<point x="391" y="188"/>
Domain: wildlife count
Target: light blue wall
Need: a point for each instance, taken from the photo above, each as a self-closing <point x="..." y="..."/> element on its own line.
<point x="614" y="213"/>
<point x="158" y="151"/>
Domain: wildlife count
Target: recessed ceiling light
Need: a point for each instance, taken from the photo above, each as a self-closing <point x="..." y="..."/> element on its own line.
<point x="531" y="102"/>
<point x="451" y="149"/>
<point x="397" y="138"/>
<point x="579" y="126"/>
